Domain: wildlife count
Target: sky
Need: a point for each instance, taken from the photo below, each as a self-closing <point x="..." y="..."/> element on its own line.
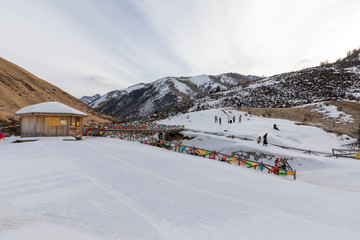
<point x="87" y="46"/>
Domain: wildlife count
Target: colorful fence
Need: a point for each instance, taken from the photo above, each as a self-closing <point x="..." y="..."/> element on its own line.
<point x="98" y="129"/>
<point x="8" y="127"/>
<point x="148" y="140"/>
<point x="9" y="130"/>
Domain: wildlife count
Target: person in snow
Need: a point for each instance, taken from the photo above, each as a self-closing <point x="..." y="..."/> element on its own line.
<point x="240" y="118"/>
<point x="219" y="120"/>
<point x="216" y="119"/>
<point x="275" y="169"/>
<point x="265" y="143"/>
<point x="276" y="127"/>
<point x="258" y="139"/>
<point x="277" y="162"/>
<point x="233" y="118"/>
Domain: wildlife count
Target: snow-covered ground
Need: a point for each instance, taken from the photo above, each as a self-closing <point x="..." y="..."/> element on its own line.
<point x="106" y="188"/>
<point x="251" y="126"/>
<point x="330" y="112"/>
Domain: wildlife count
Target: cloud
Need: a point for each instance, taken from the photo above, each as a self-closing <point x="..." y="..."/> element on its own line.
<point x="89" y="46"/>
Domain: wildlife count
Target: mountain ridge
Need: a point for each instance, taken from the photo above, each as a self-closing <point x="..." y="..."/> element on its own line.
<point x="20" y="88"/>
<point x="143" y="99"/>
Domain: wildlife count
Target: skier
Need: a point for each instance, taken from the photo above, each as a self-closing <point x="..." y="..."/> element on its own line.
<point x="219" y="120"/>
<point x="240" y="118"/>
<point x="265" y="143"/>
<point x="258" y="139"/>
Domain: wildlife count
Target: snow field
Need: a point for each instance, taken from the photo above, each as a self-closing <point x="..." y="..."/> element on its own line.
<point x="103" y="188"/>
<point x="315" y="169"/>
<point x="290" y="134"/>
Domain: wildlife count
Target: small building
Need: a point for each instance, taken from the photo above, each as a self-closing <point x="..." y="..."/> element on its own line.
<point x="50" y="119"/>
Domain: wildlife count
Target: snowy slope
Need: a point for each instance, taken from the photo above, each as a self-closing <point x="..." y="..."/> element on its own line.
<point x="112" y="189"/>
<point x="251" y="126"/>
<point x="106" y="188"/>
<point x="293" y="141"/>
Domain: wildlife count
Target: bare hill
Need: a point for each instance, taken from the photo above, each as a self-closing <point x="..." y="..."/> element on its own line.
<point x="20" y="88"/>
<point x="310" y="115"/>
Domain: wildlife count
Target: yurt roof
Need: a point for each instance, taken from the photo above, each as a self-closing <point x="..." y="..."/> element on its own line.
<point x="49" y="108"/>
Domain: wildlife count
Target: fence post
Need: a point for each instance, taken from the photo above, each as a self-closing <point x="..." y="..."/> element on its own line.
<point x="261" y="166"/>
<point x="295" y="175"/>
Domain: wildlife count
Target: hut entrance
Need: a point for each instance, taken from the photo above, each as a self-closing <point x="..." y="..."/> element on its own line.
<point x="75" y="128"/>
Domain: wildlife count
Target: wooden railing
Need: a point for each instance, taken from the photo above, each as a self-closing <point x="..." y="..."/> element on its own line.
<point x="97" y="129"/>
<point x="346" y="153"/>
<point x="148" y="140"/>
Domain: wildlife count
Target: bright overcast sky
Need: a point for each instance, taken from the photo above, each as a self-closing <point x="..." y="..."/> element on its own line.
<point x="90" y="46"/>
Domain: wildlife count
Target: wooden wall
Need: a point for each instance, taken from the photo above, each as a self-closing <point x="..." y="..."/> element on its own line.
<point x="41" y="125"/>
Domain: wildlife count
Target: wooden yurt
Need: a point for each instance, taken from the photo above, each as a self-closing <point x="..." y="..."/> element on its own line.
<point x="50" y="119"/>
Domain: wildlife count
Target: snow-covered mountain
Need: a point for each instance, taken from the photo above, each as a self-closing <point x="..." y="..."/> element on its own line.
<point x="89" y="99"/>
<point x="171" y="95"/>
<point x="144" y="99"/>
<point x="337" y="81"/>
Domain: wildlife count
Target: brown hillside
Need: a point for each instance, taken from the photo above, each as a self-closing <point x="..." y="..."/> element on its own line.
<point x="19" y="88"/>
<point x="309" y="116"/>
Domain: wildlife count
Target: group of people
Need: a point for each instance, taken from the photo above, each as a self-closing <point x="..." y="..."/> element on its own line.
<point x="265" y="142"/>
<point x="218" y="119"/>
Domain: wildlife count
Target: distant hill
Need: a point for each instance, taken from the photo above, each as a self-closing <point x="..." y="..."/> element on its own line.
<point x="337" y="84"/>
<point x="20" y="88"/>
<point x="90" y="99"/>
<point x="338" y="81"/>
<point x="143" y="99"/>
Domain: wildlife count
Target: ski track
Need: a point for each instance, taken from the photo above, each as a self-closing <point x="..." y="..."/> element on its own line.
<point x="86" y="171"/>
<point x="123" y="199"/>
<point x="249" y="204"/>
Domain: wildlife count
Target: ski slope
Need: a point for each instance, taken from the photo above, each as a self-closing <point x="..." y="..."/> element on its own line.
<point x="106" y="188"/>
<point x="251" y="126"/>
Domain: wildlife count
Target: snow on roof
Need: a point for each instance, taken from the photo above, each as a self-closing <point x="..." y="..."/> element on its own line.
<point x="49" y="107"/>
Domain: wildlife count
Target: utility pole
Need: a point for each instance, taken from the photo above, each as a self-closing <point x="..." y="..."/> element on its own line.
<point x="358" y="145"/>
